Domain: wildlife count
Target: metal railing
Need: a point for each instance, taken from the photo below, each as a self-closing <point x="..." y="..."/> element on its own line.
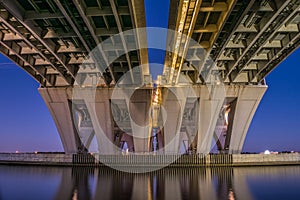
<point x="153" y="160"/>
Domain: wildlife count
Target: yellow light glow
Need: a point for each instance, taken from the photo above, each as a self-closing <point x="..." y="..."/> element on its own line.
<point x="156" y="97"/>
<point x="226" y="115"/>
<point x="179" y="38"/>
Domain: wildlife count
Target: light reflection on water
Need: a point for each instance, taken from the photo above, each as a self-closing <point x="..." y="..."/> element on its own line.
<point x="28" y="182"/>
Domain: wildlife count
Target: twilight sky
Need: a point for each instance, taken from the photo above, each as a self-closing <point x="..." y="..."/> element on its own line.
<point x="26" y="125"/>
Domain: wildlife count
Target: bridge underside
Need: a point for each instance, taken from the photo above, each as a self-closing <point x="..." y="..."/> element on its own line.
<point x="238" y="43"/>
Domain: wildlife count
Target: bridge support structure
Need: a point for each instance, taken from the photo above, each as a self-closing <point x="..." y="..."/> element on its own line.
<point x="189" y="117"/>
<point x="248" y="99"/>
<point x="57" y="101"/>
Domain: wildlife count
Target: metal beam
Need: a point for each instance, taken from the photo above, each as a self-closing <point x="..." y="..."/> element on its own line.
<point x="230" y="28"/>
<point x="33" y="15"/>
<point x="217" y="7"/>
<point x="64" y="12"/>
<point x="80" y="9"/>
<point x="11" y="36"/>
<point x="220" y="24"/>
<point x="186" y="27"/>
<point x="61" y="72"/>
<point x="115" y="11"/>
<point x="36" y="33"/>
<point x="224" y="15"/>
<point x="119" y="47"/>
<point x="210" y="28"/>
<point x="291" y="46"/>
<point x="254" y="50"/>
<point x="13" y="53"/>
<point x="261" y="32"/>
<point x="106" y="32"/>
<point x="95" y="11"/>
<point x="50" y="34"/>
<point x="137" y="12"/>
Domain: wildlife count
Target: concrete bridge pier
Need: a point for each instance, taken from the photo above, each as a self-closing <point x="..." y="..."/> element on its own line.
<point x="248" y="99"/>
<point x="131" y="108"/>
<point x="59" y="102"/>
<point x="211" y="100"/>
<point x="173" y="105"/>
<point x="101" y="117"/>
<point x="139" y="110"/>
<point x="59" y="106"/>
<point x="131" y="115"/>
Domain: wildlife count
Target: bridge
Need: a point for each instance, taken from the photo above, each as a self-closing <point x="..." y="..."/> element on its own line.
<point x="213" y="80"/>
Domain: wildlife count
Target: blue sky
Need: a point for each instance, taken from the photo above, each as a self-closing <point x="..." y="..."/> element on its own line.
<point x="276" y="122"/>
<point x="26" y="124"/>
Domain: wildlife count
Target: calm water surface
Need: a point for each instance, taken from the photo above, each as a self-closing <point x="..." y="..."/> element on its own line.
<point x="23" y="182"/>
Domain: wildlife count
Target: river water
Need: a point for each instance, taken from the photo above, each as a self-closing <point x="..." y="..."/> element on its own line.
<point x="30" y="182"/>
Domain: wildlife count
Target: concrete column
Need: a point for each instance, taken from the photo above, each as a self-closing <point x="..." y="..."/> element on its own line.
<point x="139" y="106"/>
<point x="174" y="100"/>
<point x="98" y="106"/>
<point x="137" y="103"/>
<point x="57" y="102"/>
<point x="211" y="101"/>
<point x="248" y="99"/>
<point x="172" y="127"/>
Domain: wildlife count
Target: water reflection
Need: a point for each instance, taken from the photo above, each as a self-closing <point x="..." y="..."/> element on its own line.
<point x="24" y="182"/>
